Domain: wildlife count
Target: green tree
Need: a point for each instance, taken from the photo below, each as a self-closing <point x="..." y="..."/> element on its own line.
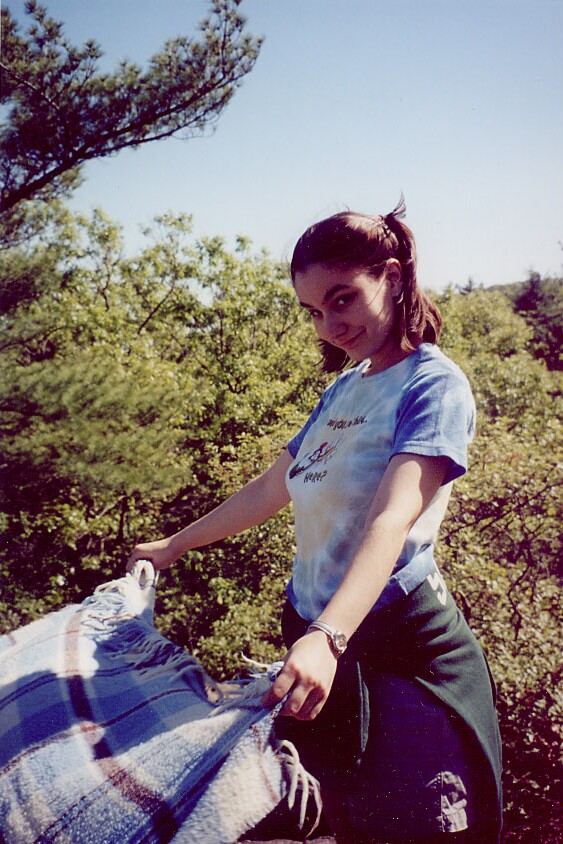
<point x="500" y="546"/>
<point x="239" y="332"/>
<point x="139" y="392"/>
<point x="132" y="387"/>
<point x="62" y="111"/>
<point x="91" y="424"/>
<point x="541" y="304"/>
<point x="540" y="301"/>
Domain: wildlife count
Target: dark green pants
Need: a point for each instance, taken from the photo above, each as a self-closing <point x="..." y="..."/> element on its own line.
<point x="409" y="733"/>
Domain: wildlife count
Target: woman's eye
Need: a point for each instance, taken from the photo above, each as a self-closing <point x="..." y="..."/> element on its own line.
<point x="314" y="314"/>
<point x="342" y="301"/>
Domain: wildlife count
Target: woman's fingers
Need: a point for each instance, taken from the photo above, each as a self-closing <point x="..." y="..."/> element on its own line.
<point x="279" y="688"/>
<point x="160" y="553"/>
<point x="310" y="706"/>
<point x="304" y="701"/>
<point x="296" y="704"/>
<point x="135" y="557"/>
<point x="305" y="679"/>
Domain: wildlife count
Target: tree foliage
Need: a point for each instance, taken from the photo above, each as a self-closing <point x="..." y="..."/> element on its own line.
<point x="501" y="546"/>
<point x="130" y="387"/>
<point x="138" y="392"/>
<point x="63" y="111"/>
<point x="540" y="301"/>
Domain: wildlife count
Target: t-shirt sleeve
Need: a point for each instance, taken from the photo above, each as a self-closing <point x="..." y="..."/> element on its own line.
<point x="436" y="418"/>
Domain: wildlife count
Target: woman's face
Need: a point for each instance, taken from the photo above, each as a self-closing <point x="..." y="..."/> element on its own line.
<point x="354" y="310"/>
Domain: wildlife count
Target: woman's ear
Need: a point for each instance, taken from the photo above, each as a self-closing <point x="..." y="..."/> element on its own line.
<point x="394" y="273"/>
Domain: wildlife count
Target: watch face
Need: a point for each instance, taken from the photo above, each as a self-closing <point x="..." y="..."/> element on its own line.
<point x="340" y="642"/>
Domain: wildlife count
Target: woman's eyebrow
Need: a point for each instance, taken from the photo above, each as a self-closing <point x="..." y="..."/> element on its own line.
<point x="332" y="291"/>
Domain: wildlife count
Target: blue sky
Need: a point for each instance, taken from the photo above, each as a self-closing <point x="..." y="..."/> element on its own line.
<point x="455" y="103"/>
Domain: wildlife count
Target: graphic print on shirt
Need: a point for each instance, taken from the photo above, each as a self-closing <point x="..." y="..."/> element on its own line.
<point x="319" y="455"/>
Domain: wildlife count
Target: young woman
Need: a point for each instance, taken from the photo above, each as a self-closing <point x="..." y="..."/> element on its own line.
<point x="391" y="700"/>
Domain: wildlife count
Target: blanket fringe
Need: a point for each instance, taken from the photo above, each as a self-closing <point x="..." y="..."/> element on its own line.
<point x="270" y="669"/>
<point x="299" y="777"/>
<point x="248" y="694"/>
<point x="143" y="572"/>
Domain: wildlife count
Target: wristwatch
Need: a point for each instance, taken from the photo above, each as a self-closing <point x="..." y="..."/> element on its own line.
<point x="336" y="639"/>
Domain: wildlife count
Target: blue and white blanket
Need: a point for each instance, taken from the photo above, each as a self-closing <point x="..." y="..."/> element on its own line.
<point x="109" y="733"/>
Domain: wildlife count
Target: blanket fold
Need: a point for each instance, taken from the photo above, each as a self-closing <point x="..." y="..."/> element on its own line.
<point x="111" y="733"/>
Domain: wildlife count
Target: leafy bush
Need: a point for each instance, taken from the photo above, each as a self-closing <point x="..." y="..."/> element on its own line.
<point x="500" y="549"/>
<point x="138" y="393"/>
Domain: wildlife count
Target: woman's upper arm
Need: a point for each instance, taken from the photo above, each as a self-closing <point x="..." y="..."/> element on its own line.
<point x="273" y="480"/>
<point x="408" y="486"/>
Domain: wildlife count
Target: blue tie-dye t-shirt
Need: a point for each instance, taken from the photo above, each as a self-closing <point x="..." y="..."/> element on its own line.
<point x="422" y="405"/>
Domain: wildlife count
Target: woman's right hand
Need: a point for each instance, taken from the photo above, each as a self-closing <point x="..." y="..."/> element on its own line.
<point x="160" y="553"/>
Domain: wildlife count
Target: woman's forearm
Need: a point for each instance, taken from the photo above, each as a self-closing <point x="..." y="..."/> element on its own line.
<point x="253" y="504"/>
<point x="408" y="486"/>
<point x="256" y="502"/>
<point x="367" y="574"/>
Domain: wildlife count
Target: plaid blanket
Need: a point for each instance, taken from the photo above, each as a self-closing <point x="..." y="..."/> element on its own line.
<point x="110" y="733"/>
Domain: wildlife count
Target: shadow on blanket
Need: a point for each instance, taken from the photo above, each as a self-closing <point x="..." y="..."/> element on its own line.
<point x="111" y="733"/>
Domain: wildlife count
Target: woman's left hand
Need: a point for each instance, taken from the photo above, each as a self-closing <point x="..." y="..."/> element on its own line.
<point x="307" y="674"/>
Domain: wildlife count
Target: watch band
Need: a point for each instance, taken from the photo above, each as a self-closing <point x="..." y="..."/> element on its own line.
<point x="337" y="640"/>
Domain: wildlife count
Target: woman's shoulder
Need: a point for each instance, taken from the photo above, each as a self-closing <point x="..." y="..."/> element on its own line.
<point x="437" y="380"/>
<point x="428" y="361"/>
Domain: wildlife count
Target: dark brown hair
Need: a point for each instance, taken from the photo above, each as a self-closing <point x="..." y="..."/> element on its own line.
<point x="350" y="240"/>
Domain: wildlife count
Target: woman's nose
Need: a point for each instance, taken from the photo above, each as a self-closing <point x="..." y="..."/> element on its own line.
<point x="333" y="327"/>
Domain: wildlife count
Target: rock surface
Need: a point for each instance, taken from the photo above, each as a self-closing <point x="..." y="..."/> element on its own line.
<point x="323" y="840"/>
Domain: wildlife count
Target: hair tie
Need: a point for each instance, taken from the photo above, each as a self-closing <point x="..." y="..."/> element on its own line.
<point x="385" y="226"/>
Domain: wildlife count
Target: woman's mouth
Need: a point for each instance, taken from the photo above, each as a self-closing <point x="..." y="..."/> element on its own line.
<point x="349" y="342"/>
